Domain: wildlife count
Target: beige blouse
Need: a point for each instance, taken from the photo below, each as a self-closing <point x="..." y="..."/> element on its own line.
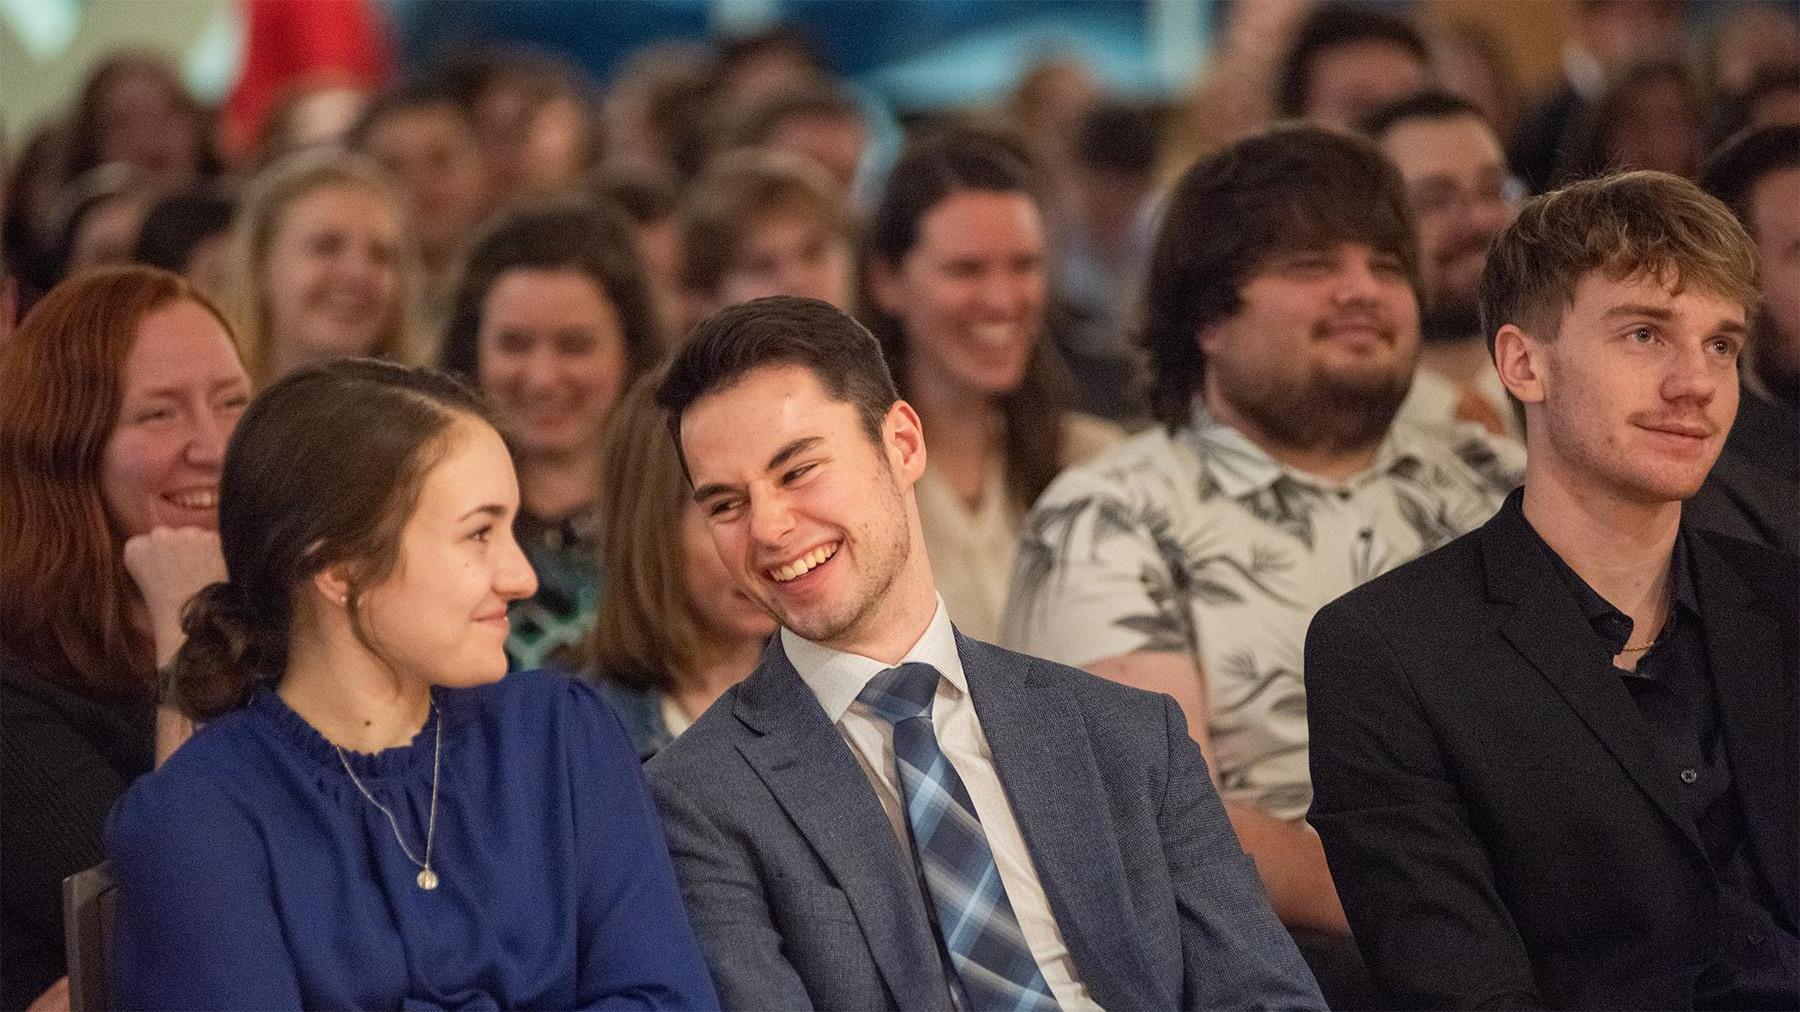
<point x="971" y="550"/>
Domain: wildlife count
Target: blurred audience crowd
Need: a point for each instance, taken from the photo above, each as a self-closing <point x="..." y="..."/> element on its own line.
<point x="1034" y="276"/>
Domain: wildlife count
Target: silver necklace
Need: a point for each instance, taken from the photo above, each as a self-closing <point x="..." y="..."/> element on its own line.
<point x="427" y="879"/>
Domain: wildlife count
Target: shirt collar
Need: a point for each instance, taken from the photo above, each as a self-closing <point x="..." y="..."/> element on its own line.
<point x="1240" y="468"/>
<point x="1613" y="626"/>
<point x="837" y="678"/>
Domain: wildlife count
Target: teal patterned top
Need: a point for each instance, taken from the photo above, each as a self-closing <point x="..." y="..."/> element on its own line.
<point x="551" y="628"/>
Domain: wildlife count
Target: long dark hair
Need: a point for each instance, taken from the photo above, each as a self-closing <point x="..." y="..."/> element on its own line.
<point x="324" y="469"/>
<point x="928" y="172"/>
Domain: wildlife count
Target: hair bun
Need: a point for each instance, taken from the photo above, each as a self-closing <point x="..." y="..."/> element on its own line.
<point x="211" y="673"/>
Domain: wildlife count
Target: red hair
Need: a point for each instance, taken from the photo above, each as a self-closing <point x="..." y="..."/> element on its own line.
<point x="66" y="600"/>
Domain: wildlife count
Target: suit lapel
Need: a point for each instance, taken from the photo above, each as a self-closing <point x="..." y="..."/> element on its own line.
<point x="1756" y="705"/>
<point x="1547" y="627"/>
<point x="1044" y="760"/>
<point x="817" y="781"/>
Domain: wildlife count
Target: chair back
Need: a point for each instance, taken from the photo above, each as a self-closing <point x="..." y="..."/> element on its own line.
<point x="90" y="901"/>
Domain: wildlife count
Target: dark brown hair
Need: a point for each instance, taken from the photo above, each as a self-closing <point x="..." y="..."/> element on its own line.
<point x="773" y="331"/>
<point x="1590" y="146"/>
<point x="575" y="235"/>
<point x="1624" y="225"/>
<point x="65" y="597"/>
<point x="1735" y="169"/>
<point x="1292" y="187"/>
<point x="324" y="469"/>
<point x="928" y="172"/>
<point x="1329" y="26"/>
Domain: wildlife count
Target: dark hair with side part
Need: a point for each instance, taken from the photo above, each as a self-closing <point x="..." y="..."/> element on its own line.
<point x="1428" y="105"/>
<point x="1331" y="25"/>
<point x="65" y="597"/>
<point x="930" y="171"/>
<point x="580" y="236"/>
<point x="780" y="330"/>
<point x="1735" y="169"/>
<point x="325" y="469"/>
<point x="1625" y="225"/>
<point x="1292" y="187"/>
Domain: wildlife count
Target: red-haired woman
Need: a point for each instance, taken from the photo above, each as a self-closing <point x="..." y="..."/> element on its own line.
<point x="121" y="388"/>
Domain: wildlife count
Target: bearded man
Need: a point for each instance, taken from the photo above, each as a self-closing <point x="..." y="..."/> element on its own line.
<point x="1281" y="318"/>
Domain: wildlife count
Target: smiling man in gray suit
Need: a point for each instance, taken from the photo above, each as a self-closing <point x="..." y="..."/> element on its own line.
<point x="887" y="814"/>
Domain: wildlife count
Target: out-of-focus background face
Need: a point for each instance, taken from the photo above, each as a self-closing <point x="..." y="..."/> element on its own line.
<point x="109" y="111"/>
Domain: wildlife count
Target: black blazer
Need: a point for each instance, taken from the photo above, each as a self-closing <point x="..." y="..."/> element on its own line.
<point x="1499" y="828"/>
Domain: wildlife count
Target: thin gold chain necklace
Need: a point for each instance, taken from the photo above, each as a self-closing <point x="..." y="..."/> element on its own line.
<point x="427" y="878"/>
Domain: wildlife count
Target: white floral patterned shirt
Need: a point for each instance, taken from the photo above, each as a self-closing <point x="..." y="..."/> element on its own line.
<point x="1201" y="543"/>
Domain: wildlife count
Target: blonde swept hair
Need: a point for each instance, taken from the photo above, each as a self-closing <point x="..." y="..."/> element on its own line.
<point x="266" y="199"/>
<point x="1624" y="225"/>
<point x="646" y="630"/>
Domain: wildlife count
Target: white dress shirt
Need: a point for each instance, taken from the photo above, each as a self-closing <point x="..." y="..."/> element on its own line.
<point x="837" y="678"/>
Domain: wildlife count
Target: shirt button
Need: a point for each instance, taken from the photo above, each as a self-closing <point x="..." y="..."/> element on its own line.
<point x="1689" y="776"/>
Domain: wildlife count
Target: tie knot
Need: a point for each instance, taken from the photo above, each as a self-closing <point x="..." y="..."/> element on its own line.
<point x="901" y="693"/>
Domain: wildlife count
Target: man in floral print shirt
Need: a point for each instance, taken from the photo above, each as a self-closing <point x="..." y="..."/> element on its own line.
<point x="1281" y="320"/>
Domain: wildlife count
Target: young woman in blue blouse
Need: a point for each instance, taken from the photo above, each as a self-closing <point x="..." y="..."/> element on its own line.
<point x="372" y="815"/>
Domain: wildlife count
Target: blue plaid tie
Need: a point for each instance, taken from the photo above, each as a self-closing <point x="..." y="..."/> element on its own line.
<point x="975" y="920"/>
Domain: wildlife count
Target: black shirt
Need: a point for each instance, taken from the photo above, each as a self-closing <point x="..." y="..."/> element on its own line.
<point x="1673" y="689"/>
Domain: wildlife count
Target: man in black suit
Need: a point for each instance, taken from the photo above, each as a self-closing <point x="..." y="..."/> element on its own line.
<point x="1554" y="762"/>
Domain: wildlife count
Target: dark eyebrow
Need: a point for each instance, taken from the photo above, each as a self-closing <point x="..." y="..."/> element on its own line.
<point x="710" y="489"/>
<point x="1633" y="309"/>
<point x="782" y="456"/>
<point x="789" y="451"/>
<point x="494" y="510"/>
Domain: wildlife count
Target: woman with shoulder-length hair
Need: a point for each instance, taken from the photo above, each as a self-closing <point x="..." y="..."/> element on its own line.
<point x="955" y="286"/>
<point x="374" y="814"/>
<point x="553" y="318"/>
<point x="120" y="389"/>
<point x="322" y="266"/>
<point x="673" y="632"/>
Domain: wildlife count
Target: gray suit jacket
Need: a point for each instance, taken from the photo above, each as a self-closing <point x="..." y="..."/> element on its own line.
<point x="803" y="898"/>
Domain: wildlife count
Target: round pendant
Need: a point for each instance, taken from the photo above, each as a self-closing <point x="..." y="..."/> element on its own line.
<point x="427" y="879"/>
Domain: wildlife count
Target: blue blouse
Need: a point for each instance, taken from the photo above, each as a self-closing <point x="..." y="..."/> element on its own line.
<point x="253" y="874"/>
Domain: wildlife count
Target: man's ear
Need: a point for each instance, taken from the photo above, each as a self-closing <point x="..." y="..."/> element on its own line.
<point x="1519" y="358"/>
<point x="903" y="440"/>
